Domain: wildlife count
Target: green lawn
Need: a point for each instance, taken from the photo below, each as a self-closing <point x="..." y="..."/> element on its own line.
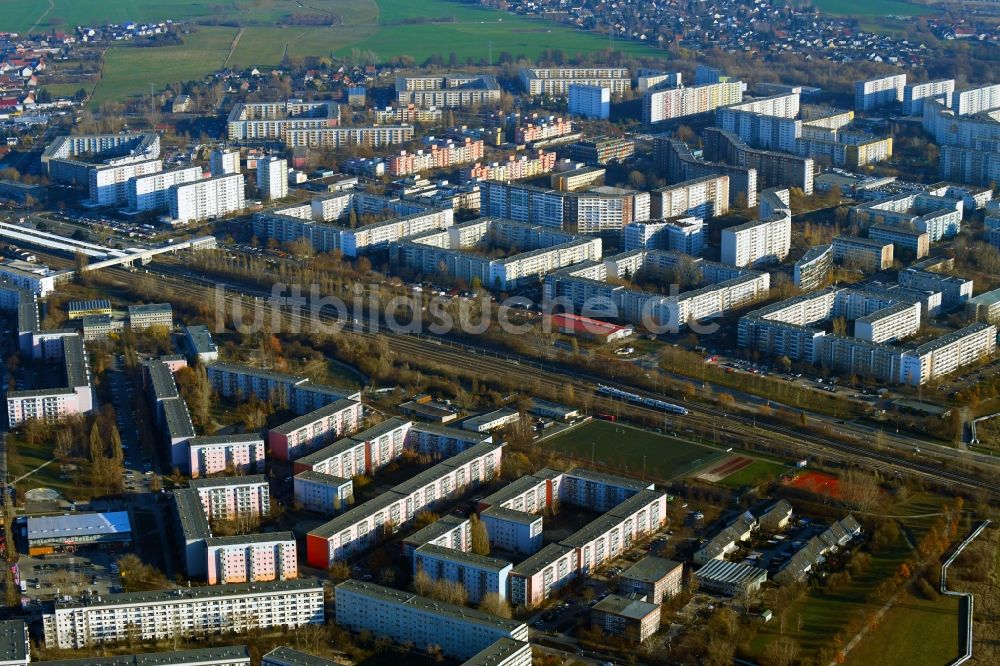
<point x="872" y="8"/>
<point x="824" y="615"/>
<point x="31" y="457"/>
<point x="916" y="632"/>
<point x="130" y="70"/>
<point x="375" y="26"/>
<point x="754" y="474"/>
<point x="625" y="447"/>
<point x="21" y="15"/>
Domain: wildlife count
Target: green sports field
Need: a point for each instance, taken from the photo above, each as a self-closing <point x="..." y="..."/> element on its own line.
<point x="624" y="447"/>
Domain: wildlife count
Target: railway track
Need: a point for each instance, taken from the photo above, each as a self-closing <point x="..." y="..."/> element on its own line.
<point x="477" y="360"/>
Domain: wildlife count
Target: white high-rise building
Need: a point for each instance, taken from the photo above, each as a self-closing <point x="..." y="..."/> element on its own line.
<point x="660" y="105"/>
<point x="876" y="93"/>
<point x="766" y="240"/>
<point x="272" y="178"/>
<point x="224" y="161"/>
<point x="915" y="94"/>
<point x="150" y="192"/>
<point x="589" y="101"/>
<point x="205" y="199"/>
<point x="109" y="182"/>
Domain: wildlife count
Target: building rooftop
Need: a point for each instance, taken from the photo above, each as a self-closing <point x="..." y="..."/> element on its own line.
<point x="608" y="479"/>
<point x="241" y="539"/>
<point x="75" y="525"/>
<point x="306" y="419"/>
<point x="162" y="380"/>
<point x="651" y="569"/>
<point x="356" y="513"/>
<point x="949" y="338"/>
<point x="223" y="440"/>
<point x="197" y="657"/>
<point x="496" y="654"/>
<point x="95" y="304"/>
<point x="489" y="417"/>
<point x="149" y="308"/>
<point x="13" y="641"/>
<point x="467" y="559"/>
<point x="178" y="419"/>
<point x="457" y="433"/>
<point x="224" y="481"/>
<point x="75" y="362"/>
<point x="180" y="595"/>
<point x="329" y="451"/>
<point x="191" y="514"/>
<point x="542" y="559"/>
<point x="721" y="571"/>
<point x="632" y="609"/>
<point x="986" y="298"/>
<point x="200" y="339"/>
<point x="441" y="526"/>
<point x="468" y="615"/>
<point x="292" y="657"/>
<point x="325" y="479"/>
<point x="510" y="515"/>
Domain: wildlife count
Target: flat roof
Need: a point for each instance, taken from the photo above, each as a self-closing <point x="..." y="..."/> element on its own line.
<point x="632" y="609"/>
<point x="161" y="379"/>
<point x="325" y="479"/>
<point x="73" y="525"/>
<point x="286" y="655"/>
<point x="178" y="418"/>
<point x="149" y="308"/>
<point x="222" y="440"/>
<point x="402" y="598"/>
<point x="13" y="640"/>
<point x="651" y="569"/>
<point x="191" y="514"/>
<point x="458" y="433"/>
<point x="470" y="559"/>
<point x="356" y="513"/>
<point x="542" y="559"/>
<point x="201" y="339"/>
<point x="310" y="417"/>
<point x="441" y="526"/>
<point x="608" y="479"/>
<point x="587" y="325"/>
<point x="183" y="594"/>
<point x="510" y="515"/>
<point x="986" y="298"/>
<point x="241" y="539"/>
<point x="498" y="653"/>
<point x="223" y="481"/>
<point x="198" y="657"/>
<point x="489" y="417"/>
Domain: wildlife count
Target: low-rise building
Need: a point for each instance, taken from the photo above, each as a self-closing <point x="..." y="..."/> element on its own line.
<point x="730" y="578"/>
<point x="200" y="343"/>
<point x="286" y="656"/>
<point x="492" y="420"/>
<point x="654" y="578"/>
<point x="631" y="619"/>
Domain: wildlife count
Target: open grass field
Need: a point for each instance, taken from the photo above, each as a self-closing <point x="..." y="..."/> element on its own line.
<point x="624" y="447"/>
<point x="130" y="71"/>
<point x="23" y="15"/>
<point x="382" y="27"/>
<point x="817" y="616"/>
<point x="916" y="632"/>
<point x="872" y="8"/>
<point x="30" y="458"/>
<point x="754" y="474"/>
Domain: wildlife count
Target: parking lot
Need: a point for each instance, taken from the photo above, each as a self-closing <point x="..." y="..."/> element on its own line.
<point x="69" y="574"/>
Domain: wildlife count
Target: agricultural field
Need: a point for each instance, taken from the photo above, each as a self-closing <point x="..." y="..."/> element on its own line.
<point x="130" y="71"/>
<point x="384" y="28"/>
<point x="25" y="15"/>
<point x="628" y="449"/>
